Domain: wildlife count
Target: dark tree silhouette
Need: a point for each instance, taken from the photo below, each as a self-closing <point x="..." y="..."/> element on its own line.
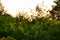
<point x="1" y="9"/>
<point x="56" y="11"/>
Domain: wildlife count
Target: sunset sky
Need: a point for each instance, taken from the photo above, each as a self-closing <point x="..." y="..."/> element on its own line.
<point x="13" y="7"/>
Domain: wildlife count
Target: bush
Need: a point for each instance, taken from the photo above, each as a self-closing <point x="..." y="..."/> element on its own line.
<point x="38" y="29"/>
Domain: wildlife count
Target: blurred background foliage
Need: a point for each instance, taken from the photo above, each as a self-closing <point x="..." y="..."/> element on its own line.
<point x="38" y="29"/>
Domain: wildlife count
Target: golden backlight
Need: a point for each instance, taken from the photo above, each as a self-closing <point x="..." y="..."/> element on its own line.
<point x="14" y="7"/>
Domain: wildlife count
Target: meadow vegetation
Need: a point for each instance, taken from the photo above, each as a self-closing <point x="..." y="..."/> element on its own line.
<point x="38" y="29"/>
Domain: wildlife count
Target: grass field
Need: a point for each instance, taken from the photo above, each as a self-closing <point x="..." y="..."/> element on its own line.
<point x="39" y="29"/>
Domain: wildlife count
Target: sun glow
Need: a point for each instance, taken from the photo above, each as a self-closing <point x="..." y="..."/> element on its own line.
<point x="13" y="7"/>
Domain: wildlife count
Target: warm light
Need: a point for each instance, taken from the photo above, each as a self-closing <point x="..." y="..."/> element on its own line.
<point x="13" y="7"/>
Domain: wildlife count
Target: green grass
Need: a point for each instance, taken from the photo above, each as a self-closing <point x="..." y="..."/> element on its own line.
<point x="39" y="29"/>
